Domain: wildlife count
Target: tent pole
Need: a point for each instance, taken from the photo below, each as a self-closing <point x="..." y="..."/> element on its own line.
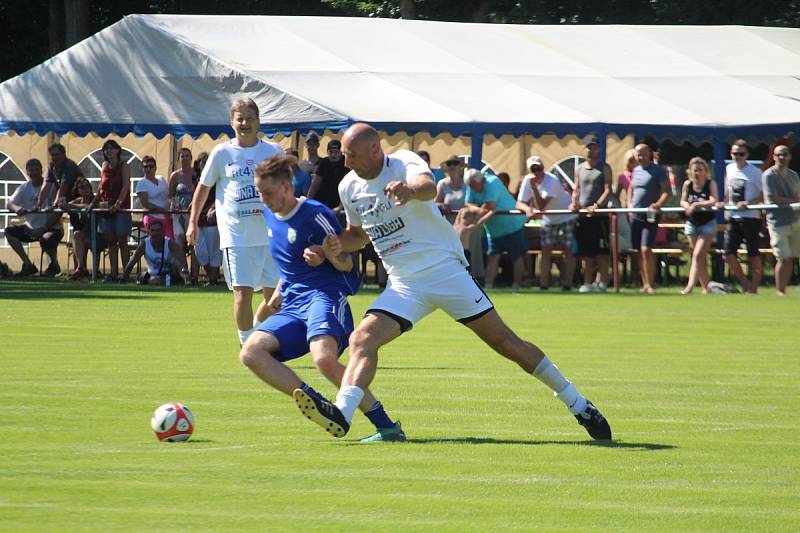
<point x="720" y="152"/>
<point x="602" y="138"/>
<point x="476" y="156"/>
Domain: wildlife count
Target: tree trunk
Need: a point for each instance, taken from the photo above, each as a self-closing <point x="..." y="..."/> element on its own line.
<point x="76" y="18"/>
<point x="408" y="10"/>
<point x="55" y="26"/>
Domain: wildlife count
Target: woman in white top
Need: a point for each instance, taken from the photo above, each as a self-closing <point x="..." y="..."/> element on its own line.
<point x="153" y="193"/>
<point x="451" y="194"/>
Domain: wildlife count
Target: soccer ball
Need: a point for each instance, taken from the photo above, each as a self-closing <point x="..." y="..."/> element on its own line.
<point x="172" y="422"/>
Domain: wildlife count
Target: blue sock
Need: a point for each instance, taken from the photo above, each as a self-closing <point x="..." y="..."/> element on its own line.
<point x="377" y="415"/>
<point x="311" y="392"/>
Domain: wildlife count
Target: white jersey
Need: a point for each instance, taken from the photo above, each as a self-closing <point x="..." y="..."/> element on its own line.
<point x="158" y="263"/>
<point x="410" y="239"/>
<point x="744" y="184"/>
<point x="550" y="187"/>
<point x="240" y="213"/>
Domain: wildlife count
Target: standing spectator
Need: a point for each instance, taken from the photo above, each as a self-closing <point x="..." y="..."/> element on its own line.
<point x="166" y="262"/>
<point x="243" y="235"/>
<point x="742" y="187"/>
<point x="592" y="189"/>
<point x="624" y="179"/>
<point x="153" y="194"/>
<point x="542" y="190"/>
<point x="329" y="172"/>
<point x="62" y="173"/>
<point x="438" y="175"/>
<point x="782" y="186"/>
<point x="506" y="233"/>
<point x="81" y="229"/>
<point x="701" y="226"/>
<point x="312" y="146"/>
<point x="452" y="190"/>
<point x="114" y="192"/>
<point x="44" y="228"/>
<point x="649" y="188"/>
<point x="181" y="189"/>
<point x="450" y="197"/>
<point x="301" y="180"/>
<point x="207" y="250"/>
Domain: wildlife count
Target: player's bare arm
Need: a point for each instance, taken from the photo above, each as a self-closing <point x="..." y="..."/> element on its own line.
<point x="332" y="247"/>
<point x="419" y="187"/>
<point x="353" y="238"/>
<point x="198" y="201"/>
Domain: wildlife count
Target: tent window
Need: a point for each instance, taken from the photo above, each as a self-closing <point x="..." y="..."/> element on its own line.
<point x="564" y="170"/>
<point x="11" y="177"/>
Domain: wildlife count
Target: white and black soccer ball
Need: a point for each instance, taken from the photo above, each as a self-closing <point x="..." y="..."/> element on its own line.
<point x="172" y="422"/>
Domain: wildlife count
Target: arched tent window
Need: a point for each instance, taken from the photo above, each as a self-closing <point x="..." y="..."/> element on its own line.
<point x="11" y="177"/>
<point x="92" y="166"/>
<point x="564" y="170"/>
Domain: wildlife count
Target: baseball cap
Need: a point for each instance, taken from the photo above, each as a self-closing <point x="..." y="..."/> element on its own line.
<point x="312" y="136"/>
<point x="335" y="145"/>
<point x="590" y="139"/>
<point x="534" y="160"/>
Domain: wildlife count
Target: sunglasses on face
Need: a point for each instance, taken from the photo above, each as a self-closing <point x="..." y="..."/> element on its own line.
<point x="452" y="163"/>
<point x="148" y="166"/>
<point x="737" y="154"/>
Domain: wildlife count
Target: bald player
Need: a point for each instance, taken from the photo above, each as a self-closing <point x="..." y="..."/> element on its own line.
<point x="388" y="200"/>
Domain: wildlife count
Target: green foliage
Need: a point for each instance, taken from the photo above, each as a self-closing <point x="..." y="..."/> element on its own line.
<point x="701" y="393"/>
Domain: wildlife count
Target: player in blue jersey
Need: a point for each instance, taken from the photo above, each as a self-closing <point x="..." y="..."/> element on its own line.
<point x="311" y="309"/>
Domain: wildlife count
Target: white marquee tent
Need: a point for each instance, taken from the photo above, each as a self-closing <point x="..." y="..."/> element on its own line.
<point x="177" y="74"/>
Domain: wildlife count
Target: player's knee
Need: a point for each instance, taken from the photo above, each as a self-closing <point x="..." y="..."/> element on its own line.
<point x="362" y="343"/>
<point x="328" y="366"/>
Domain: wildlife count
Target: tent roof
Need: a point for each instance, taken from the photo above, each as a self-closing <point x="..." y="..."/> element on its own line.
<point x="179" y="73"/>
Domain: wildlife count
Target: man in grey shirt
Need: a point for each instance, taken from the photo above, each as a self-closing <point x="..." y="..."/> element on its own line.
<point x="649" y="188"/>
<point x="782" y="186"/>
<point x="592" y="189"/>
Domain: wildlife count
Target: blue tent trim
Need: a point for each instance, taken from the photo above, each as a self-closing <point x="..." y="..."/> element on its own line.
<point x="709" y="133"/>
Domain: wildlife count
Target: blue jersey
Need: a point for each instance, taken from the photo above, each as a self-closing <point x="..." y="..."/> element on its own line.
<point x="308" y="223"/>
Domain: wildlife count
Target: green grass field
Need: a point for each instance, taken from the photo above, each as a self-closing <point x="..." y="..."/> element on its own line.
<point x="702" y="394"/>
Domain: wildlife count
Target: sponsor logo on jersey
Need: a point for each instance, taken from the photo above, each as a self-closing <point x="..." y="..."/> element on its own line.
<point x="379" y="231"/>
<point x="393" y="248"/>
<point x="248" y="192"/>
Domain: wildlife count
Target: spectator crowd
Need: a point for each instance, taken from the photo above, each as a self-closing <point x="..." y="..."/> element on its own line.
<point x="476" y="202"/>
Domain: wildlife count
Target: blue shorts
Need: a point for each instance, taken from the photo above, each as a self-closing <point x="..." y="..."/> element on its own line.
<point x="119" y="224"/>
<point x="303" y="317"/>
<point x="515" y="243"/>
<point x="643" y="233"/>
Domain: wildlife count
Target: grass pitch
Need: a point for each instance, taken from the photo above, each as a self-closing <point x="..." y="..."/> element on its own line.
<point x="701" y="392"/>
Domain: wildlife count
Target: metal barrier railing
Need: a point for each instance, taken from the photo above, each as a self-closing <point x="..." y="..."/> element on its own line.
<point x="613" y="212"/>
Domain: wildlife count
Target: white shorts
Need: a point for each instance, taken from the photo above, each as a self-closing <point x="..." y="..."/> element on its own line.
<point x="250" y="266"/>
<point x="452" y="290"/>
<point x="207" y="247"/>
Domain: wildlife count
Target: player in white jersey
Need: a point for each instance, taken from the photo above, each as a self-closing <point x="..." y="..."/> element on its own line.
<point x="244" y="240"/>
<point x="388" y="201"/>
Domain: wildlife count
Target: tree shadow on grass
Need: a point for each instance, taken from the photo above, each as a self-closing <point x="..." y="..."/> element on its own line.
<point x="617" y="444"/>
<point x="55" y="289"/>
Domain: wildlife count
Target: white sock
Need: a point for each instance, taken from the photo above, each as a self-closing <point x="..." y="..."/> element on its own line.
<point x="550" y="375"/>
<point x="245" y="334"/>
<point x="348" y="399"/>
